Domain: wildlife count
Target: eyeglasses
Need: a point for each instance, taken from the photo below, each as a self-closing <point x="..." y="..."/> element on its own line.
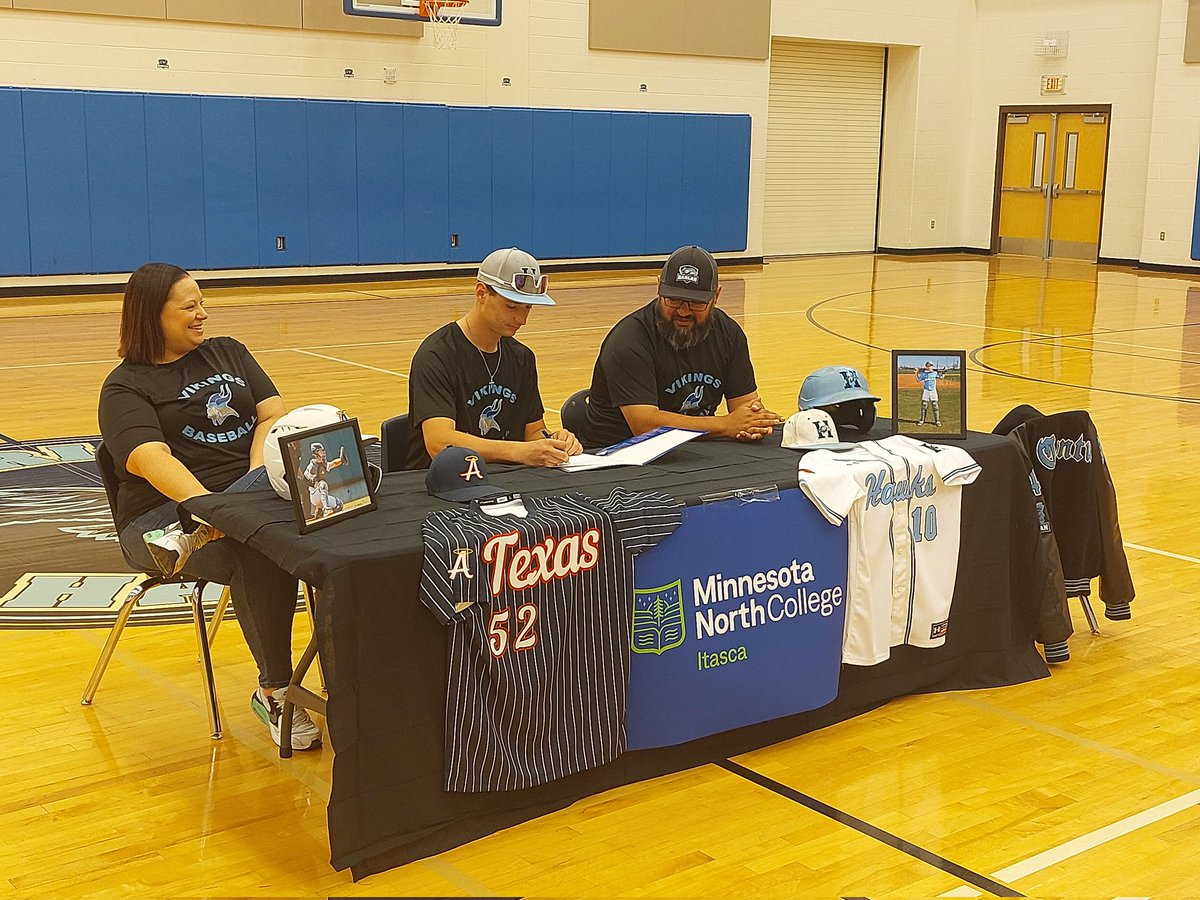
<point x="693" y="305"/>
<point x="522" y="282"/>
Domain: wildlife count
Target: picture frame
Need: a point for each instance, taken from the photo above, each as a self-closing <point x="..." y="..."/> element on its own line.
<point x="932" y="406"/>
<point x="327" y="488"/>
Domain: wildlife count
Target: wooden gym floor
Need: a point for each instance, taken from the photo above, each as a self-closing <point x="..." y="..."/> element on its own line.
<point x="1083" y="784"/>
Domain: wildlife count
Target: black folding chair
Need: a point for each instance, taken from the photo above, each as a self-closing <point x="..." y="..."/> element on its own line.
<point x="204" y="636"/>
<point x="574" y="411"/>
<point x="393" y="437"/>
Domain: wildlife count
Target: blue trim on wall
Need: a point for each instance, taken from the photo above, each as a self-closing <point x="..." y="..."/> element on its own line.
<point x="97" y="181"/>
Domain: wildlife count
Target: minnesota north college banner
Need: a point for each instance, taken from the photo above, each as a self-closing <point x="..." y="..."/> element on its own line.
<point x="737" y="619"/>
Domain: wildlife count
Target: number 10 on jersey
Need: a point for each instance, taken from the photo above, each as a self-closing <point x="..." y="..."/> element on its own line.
<point x="929" y="515"/>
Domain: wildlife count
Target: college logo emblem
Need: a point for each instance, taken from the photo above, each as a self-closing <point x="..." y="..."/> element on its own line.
<point x="218" y="408"/>
<point x="824" y="432"/>
<point x="658" y="624"/>
<point x="850" y="377"/>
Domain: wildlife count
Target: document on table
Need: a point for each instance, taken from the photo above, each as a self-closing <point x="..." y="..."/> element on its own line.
<point x="634" y="451"/>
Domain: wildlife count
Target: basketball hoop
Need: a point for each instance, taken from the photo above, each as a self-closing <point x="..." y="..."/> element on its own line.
<point x="445" y="17"/>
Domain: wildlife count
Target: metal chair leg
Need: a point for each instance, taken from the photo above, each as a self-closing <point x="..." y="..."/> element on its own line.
<point x="310" y="604"/>
<point x="114" y="634"/>
<point x="1093" y="623"/>
<point x="210" y="684"/>
<point x="218" y="616"/>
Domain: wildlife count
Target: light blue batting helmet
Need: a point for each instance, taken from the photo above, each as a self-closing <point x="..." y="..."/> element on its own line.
<point x="833" y="384"/>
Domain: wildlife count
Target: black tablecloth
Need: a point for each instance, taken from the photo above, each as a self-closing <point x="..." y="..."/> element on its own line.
<point x="384" y="654"/>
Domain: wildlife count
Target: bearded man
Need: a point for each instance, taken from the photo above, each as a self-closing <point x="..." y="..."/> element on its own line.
<point x="673" y="361"/>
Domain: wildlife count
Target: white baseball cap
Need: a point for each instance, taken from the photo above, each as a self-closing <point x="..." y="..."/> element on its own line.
<point x="516" y="276"/>
<point x="812" y="429"/>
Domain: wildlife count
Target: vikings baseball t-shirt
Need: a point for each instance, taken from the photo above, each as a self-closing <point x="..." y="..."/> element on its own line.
<point x="490" y="395"/>
<point x="202" y="406"/>
<point x="903" y="499"/>
<point x="540" y="607"/>
<point x="638" y="367"/>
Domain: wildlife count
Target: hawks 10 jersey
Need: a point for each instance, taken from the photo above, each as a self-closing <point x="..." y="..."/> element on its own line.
<point x="541" y="607"/>
<point x="903" y="499"/>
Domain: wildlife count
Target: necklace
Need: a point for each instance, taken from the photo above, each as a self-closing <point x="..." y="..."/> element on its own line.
<point x="499" y="358"/>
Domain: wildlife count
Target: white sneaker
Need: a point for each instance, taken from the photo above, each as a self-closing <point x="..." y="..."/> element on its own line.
<point x="172" y="548"/>
<point x="305" y="733"/>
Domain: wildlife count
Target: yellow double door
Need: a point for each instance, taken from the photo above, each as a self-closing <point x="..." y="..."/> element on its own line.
<point x="1052" y="183"/>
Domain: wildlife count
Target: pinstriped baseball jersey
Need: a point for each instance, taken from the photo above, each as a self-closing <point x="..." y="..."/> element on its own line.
<point x="904" y="500"/>
<point x="540" y="608"/>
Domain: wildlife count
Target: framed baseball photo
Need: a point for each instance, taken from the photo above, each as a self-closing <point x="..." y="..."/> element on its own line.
<point x="327" y="474"/>
<point x="929" y="393"/>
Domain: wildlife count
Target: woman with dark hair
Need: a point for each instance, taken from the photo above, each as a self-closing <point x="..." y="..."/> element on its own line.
<point x="183" y="415"/>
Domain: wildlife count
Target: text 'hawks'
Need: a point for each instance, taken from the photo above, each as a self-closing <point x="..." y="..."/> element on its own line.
<point x="525" y="567"/>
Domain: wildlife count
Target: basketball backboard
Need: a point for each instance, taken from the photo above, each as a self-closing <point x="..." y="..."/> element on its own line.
<point x="475" y="12"/>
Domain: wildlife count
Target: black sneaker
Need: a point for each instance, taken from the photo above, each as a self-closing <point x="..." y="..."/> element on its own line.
<point x="305" y="733"/>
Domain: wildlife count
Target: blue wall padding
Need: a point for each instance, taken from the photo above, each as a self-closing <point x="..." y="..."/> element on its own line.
<point x="513" y="185"/>
<point x="425" y="156"/>
<point x="60" y="237"/>
<point x="732" y="187"/>
<point x="281" y="152"/>
<point x="701" y="213"/>
<point x="665" y="184"/>
<point x="591" y="164"/>
<point x="14" y="205"/>
<point x="381" y="225"/>
<point x="554" y="200"/>
<point x="175" y="180"/>
<point x="332" y="184"/>
<point x="117" y="181"/>
<point x="629" y="154"/>
<point x="104" y="181"/>
<point x="469" y="165"/>
<point x="1196" y="224"/>
<point x="230" y="184"/>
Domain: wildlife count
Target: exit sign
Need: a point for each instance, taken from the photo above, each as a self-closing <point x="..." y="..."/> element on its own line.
<point x="1054" y="84"/>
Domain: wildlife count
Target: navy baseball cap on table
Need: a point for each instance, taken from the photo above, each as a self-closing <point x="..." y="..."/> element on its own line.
<point x="690" y="274"/>
<point x="515" y="275"/>
<point x="459" y="474"/>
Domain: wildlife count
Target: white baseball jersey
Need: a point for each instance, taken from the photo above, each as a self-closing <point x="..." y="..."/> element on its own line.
<point x="541" y="608"/>
<point x="903" y="499"/>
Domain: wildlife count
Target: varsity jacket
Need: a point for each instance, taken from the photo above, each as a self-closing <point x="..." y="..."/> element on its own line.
<point x="1073" y="475"/>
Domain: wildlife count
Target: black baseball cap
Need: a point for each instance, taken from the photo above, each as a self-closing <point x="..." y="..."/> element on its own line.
<point x="690" y="274"/>
<point x="459" y="474"/>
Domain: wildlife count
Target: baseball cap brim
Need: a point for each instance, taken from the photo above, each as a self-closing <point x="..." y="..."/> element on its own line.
<point x="516" y="296"/>
<point x="473" y="492"/>
<point x="675" y="292"/>
<point x="828" y="445"/>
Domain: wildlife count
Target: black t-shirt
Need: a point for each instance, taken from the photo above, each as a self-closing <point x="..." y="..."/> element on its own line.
<point x="449" y="379"/>
<point x="202" y="406"/>
<point x="637" y="367"/>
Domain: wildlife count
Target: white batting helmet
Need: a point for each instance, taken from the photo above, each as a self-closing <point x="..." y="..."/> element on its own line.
<point x="299" y="419"/>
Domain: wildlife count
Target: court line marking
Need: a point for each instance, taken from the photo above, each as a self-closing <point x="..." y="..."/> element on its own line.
<point x="1083" y="843"/>
<point x="349" y="363"/>
<point x="885" y="837"/>
<point x="1179" y="556"/>
<point x="458" y="877"/>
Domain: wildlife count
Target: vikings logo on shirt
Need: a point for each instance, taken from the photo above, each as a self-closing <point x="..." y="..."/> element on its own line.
<point x="487" y="418"/>
<point x="691" y="403"/>
<point x="218" y="409"/>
